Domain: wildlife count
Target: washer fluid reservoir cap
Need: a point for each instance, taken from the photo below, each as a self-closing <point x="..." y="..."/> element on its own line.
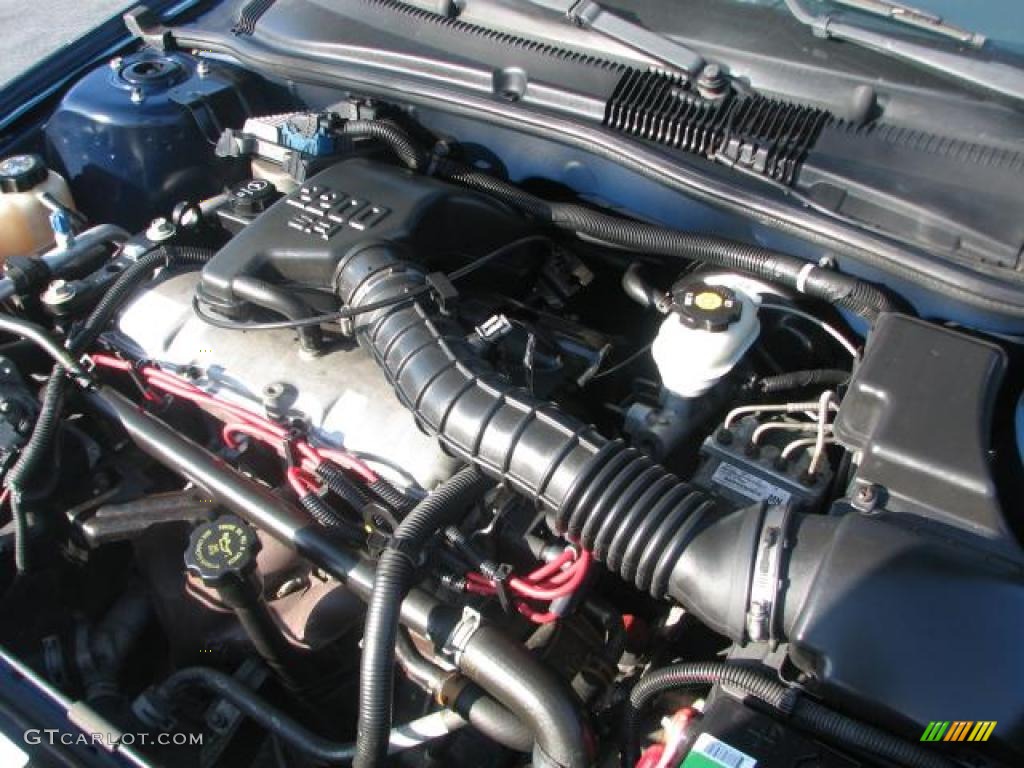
<point x="20" y="173"/>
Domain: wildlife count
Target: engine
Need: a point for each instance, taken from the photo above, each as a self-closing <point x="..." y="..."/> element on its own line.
<point x="374" y="455"/>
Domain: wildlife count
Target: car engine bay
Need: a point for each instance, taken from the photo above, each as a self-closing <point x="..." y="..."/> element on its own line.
<point x="324" y="438"/>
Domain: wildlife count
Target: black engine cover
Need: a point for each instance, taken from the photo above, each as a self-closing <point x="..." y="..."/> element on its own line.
<point x="305" y="235"/>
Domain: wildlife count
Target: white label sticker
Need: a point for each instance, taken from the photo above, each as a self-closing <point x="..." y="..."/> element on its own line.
<point x="721" y="753"/>
<point x="753" y="487"/>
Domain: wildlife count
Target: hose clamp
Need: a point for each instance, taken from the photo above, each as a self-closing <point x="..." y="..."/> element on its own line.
<point x="456" y="643"/>
<point x="763" y="603"/>
<point x="801" y="278"/>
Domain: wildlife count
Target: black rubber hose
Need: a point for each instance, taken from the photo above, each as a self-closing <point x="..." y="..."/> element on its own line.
<point x="784" y="382"/>
<point x="258" y="709"/>
<point x="41" y="441"/>
<point x="276" y="299"/>
<point x="490" y="659"/>
<point x="35" y="451"/>
<point x="483" y="713"/>
<point x="392" y="135"/>
<point x="127" y="283"/>
<point x="639" y="290"/>
<point x="266" y="636"/>
<point x="801" y="711"/>
<point x="817" y="282"/>
<point x="44" y="340"/>
<point x="396" y="569"/>
<point x="492" y="719"/>
<point x="863" y="298"/>
<point x="113" y="640"/>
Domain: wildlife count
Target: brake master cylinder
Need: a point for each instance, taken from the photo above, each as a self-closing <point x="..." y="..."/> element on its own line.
<point x="708" y="329"/>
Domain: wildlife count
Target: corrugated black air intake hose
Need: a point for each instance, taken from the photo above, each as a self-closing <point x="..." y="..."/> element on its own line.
<point x="40" y="443"/>
<point x="635" y="516"/>
<point x="396" y="570"/>
<point x="802" y="712"/>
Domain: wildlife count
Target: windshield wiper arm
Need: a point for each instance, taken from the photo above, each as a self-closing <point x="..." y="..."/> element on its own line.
<point x="989" y="74"/>
<point x="589" y="14"/>
<point x="915" y="17"/>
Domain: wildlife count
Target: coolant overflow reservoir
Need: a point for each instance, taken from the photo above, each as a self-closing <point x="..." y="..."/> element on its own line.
<point x="708" y="329"/>
<point x="24" y="218"/>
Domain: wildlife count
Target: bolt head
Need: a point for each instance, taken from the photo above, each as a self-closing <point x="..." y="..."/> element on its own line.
<point x="58" y="291"/>
<point x="203" y="68"/>
<point x="866" y="494"/>
<point x="116" y="62"/>
<point x="160" y="229"/>
<point x="137" y="96"/>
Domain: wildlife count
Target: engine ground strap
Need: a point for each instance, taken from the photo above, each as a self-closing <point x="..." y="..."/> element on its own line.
<point x="766" y="136"/>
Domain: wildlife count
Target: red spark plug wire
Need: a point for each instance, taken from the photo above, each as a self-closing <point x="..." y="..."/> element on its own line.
<point x="247" y="422"/>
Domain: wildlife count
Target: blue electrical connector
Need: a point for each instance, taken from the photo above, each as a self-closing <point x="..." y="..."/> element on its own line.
<point x="60" y="223"/>
<point x="310" y="134"/>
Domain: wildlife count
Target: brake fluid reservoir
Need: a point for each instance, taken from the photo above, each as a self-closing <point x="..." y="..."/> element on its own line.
<point x="24" y="218"/>
<point x="708" y="330"/>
